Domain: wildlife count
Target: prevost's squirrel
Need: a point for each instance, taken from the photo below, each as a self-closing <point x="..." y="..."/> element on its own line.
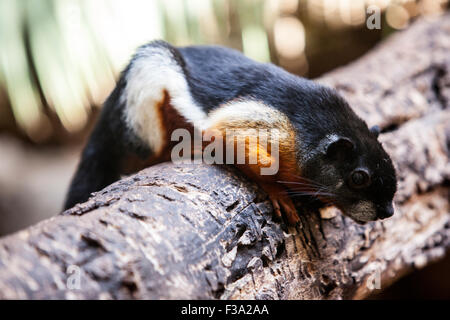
<point x="325" y="149"/>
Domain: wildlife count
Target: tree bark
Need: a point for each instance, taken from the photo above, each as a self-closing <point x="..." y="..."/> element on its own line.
<point x="198" y="231"/>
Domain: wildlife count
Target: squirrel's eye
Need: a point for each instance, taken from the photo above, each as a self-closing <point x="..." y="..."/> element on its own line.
<point x="359" y="179"/>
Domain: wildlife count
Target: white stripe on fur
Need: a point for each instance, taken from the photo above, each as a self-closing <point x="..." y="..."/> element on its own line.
<point x="242" y="111"/>
<point x="153" y="71"/>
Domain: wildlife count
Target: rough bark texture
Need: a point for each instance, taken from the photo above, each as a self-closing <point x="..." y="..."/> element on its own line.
<point x="198" y="231"/>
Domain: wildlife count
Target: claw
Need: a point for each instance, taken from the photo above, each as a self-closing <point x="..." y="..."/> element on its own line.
<point x="276" y="208"/>
<point x="284" y="208"/>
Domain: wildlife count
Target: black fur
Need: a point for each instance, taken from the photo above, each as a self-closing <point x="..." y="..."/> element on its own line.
<point x="216" y="75"/>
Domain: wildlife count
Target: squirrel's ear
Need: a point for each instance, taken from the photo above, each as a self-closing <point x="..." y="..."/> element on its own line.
<point x="375" y="130"/>
<point x="339" y="147"/>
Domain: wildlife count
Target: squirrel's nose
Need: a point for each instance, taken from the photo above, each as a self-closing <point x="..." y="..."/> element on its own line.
<point x="386" y="212"/>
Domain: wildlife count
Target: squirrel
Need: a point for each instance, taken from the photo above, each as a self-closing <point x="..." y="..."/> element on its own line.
<point x="325" y="150"/>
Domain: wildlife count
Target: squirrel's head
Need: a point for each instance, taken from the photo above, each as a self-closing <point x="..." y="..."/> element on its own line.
<point x="343" y="160"/>
<point x="356" y="175"/>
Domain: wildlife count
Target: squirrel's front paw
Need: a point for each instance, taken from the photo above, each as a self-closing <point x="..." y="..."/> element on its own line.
<point x="284" y="208"/>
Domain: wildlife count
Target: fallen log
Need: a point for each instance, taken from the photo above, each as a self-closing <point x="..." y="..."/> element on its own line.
<point x="197" y="231"/>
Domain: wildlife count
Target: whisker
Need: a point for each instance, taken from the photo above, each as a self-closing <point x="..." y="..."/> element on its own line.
<point x="312" y="189"/>
<point x="301" y="183"/>
<point x="317" y="192"/>
<point x="308" y="193"/>
<point x="307" y="179"/>
<point x="296" y="182"/>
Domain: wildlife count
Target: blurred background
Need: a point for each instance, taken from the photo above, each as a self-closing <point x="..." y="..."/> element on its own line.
<point x="59" y="59"/>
